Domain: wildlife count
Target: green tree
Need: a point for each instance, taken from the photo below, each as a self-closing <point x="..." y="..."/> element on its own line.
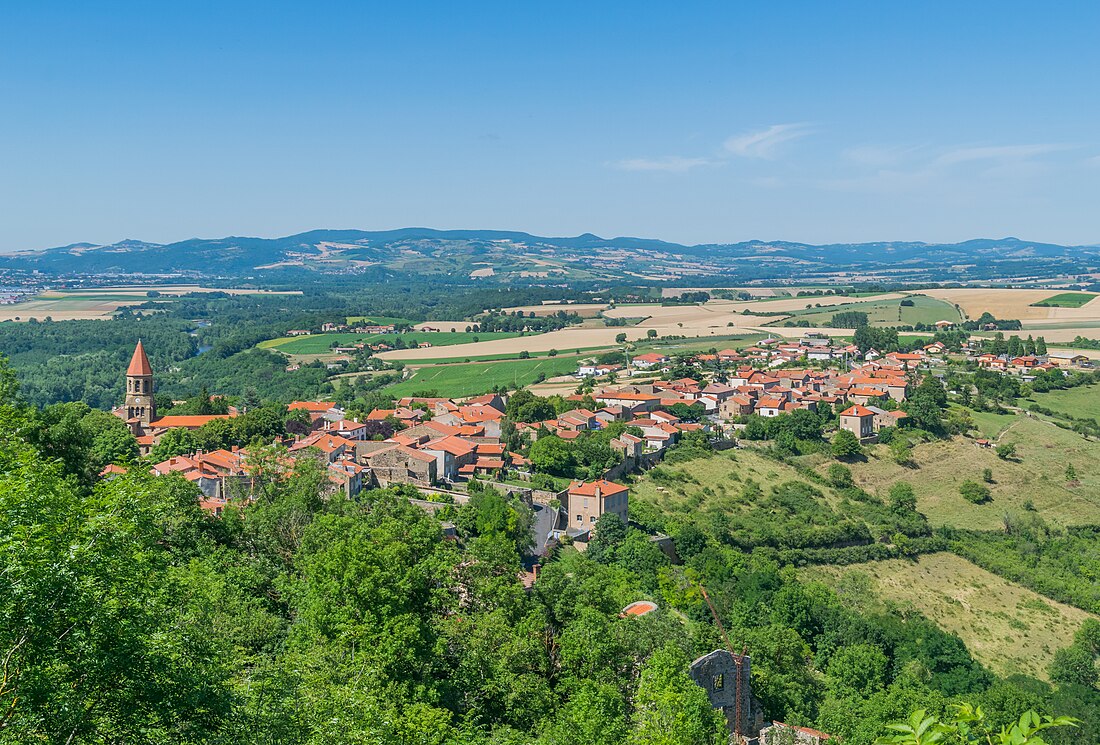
<point x="595" y="713"/>
<point x="1006" y="451"/>
<point x="925" y="406"/>
<point x="174" y="442"/>
<point x="858" y="668"/>
<point x="608" y="539"/>
<point x="669" y="709"/>
<point x="845" y="445"/>
<point x="553" y="455"/>
<point x="1074" y="665"/>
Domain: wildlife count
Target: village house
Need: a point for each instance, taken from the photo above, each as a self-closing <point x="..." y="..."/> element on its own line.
<point x="398" y="464"/>
<point x="1067" y="359"/>
<point x="627" y="400"/>
<point x="587" y="500"/>
<point x="451" y="453"/>
<point x="629" y="445"/>
<point x="859" y="420"/>
<point x="318" y="410"/>
<point x="649" y="361"/>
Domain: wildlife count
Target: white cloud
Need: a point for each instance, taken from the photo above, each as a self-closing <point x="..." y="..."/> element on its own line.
<point x="896" y="169"/>
<point x="998" y="153"/>
<point x="880" y="156"/>
<point x="669" y="163"/>
<point x="765" y="142"/>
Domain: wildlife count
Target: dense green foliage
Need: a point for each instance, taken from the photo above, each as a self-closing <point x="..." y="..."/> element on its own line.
<point x="1061" y="564"/>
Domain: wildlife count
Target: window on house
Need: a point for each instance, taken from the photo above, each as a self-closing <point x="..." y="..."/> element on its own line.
<point x="580" y="519"/>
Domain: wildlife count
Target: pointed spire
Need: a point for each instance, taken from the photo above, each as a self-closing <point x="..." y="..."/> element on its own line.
<point x="139" y="363"/>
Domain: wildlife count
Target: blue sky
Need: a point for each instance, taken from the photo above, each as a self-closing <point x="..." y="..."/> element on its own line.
<point x="691" y="122"/>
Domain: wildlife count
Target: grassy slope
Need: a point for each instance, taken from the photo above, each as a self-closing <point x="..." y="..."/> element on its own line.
<point x="885" y="312"/>
<point x="1039" y="475"/>
<point x="475" y="378"/>
<point x="1083" y="401"/>
<point x="717" y="484"/>
<point x="320" y="343"/>
<point x="1007" y="627"/>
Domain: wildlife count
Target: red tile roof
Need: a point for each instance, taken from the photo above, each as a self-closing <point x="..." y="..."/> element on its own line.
<point x="857" y="410"/>
<point x="588" y="488"/>
<point x="189" y="421"/>
<point x="139" y="363"/>
<point x="316" y="406"/>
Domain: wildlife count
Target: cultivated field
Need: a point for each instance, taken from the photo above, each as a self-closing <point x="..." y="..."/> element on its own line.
<point x="1068" y="300"/>
<point x="879" y="312"/>
<point x="471" y="379"/>
<point x="102" y="302"/>
<point x="1010" y="303"/>
<point x="322" y="343"/>
<point x="380" y="320"/>
<point x="582" y="309"/>
<point x="1035" y="476"/>
<point x="725" y="317"/>
<point x="1007" y="627"/>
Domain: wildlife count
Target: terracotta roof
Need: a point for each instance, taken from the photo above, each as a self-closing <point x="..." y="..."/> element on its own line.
<point x="139" y="363"/>
<point x="452" y="445"/>
<point x="318" y="406"/>
<point x="639" y="608"/>
<point x="806" y="730"/>
<point x="490" y="463"/>
<point x="588" y="488"/>
<point x="857" y="410"/>
<point x="190" y="421"/>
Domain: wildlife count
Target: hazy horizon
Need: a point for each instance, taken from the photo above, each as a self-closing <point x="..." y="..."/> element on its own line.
<point x="239" y="234"/>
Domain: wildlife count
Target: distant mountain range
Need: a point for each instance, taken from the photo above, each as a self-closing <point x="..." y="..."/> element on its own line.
<point x="514" y="257"/>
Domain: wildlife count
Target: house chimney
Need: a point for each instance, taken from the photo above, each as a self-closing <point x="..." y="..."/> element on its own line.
<point x="597" y="490"/>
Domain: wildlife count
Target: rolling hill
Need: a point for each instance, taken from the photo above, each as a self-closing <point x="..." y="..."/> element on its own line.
<point x="516" y="257"/>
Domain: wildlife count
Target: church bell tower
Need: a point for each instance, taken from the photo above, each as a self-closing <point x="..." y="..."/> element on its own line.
<point x="139" y="388"/>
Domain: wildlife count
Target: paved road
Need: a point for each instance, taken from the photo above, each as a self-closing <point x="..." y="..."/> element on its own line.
<point x="545" y="521"/>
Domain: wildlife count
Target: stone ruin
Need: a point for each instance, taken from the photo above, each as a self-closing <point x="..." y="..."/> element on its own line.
<point x="727" y="679"/>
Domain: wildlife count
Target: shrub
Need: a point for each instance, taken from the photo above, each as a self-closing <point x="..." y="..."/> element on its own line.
<point x="840" y="476"/>
<point x="975" y="493"/>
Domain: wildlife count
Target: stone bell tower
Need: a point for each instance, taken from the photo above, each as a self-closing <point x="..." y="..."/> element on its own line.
<point x="139" y="388"/>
